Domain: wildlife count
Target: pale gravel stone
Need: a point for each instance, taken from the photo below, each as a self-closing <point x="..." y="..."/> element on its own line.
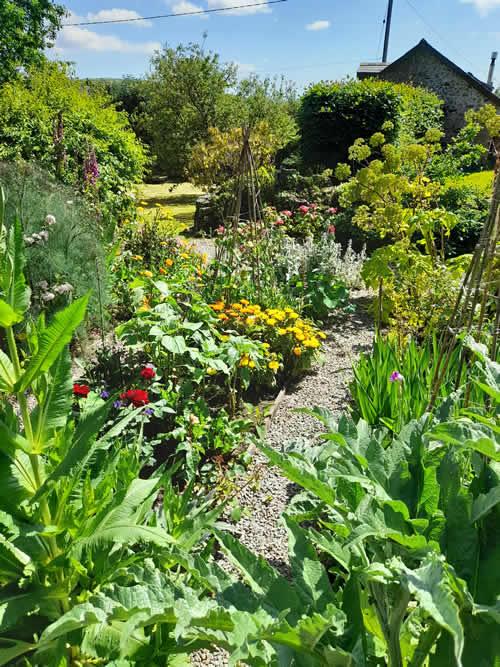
<point x="261" y="529"/>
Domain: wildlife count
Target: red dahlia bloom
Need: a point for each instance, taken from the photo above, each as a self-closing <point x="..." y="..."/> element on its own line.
<point x="138" y="397"/>
<point x="148" y="372"/>
<point x="81" y="390"/>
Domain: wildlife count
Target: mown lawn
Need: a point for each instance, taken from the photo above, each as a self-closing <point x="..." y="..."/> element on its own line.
<point x="180" y="198"/>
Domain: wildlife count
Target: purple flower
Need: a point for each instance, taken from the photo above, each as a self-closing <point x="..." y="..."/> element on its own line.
<point x="117" y="404"/>
<point x="90" y="169"/>
<point x="396" y="377"/>
<point x="104" y="395"/>
<point x="149" y="411"/>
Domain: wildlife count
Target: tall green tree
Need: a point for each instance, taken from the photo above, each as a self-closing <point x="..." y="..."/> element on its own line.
<point x="27" y="28"/>
<point x="187" y="87"/>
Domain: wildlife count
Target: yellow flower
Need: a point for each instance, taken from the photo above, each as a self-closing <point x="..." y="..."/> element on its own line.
<point x="293" y="316"/>
<point x="250" y="321"/>
<point x="322" y="335"/>
<point x="299" y="336"/>
<point x="223" y="317"/>
<point x="184" y="255"/>
<point x="218" y="306"/>
<point x="245" y="302"/>
<point x="312" y="343"/>
<point x="274" y="365"/>
<point x="297" y="351"/>
<point x="266" y="346"/>
<point x="251" y="364"/>
<point x="282" y="332"/>
<point x="271" y="321"/>
<point x="169" y="262"/>
<point x="244" y="361"/>
<point x="236" y="306"/>
<point x="147" y="274"/>
<point x="143" y="203"/>
<point x="211" y="371"/>
<point x="224" y="339"/>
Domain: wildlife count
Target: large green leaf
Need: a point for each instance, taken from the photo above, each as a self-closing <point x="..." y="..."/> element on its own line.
<point x="15" y="289"/>
<point x="8" y="316"/>
<point x="484" y="503"/>
<point x="430" y="585"/>
<point x="10" y="649"/>
<point x="7" y="373"/>
<point x="301" y="472"/>
<point x="310" y="576"/>
<point x="469" y="435"/>
<point x="52" y="412"/>
<point x="53" y="340"/>
<point x="13" y="563"/>
<point x="121" y="523"/>
<point x="264" y="580"/>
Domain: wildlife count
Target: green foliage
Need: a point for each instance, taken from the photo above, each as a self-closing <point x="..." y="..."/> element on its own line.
<point x="382" y="402"/>
<point x="49" y="118"/>
<point x="186" y="90"/>
<point x="28" y="27"/>
<point x="58" y="267"/>
<point x="333" y="115"/>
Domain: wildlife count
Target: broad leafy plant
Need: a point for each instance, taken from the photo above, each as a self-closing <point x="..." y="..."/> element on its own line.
<point x="75" y="516"/>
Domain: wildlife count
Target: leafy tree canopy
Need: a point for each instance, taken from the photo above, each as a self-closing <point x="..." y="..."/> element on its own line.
<point x="186" y="90"/>
<point x="28" y="27"/>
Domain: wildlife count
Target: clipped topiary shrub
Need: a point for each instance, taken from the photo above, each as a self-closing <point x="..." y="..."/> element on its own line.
<point x="333" y="115"/>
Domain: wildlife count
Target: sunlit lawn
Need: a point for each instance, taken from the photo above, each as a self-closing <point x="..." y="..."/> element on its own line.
<point x="180" y="198"/>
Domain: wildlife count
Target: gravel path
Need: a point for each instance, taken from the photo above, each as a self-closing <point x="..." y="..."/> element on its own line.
<point x="261" y="529"/>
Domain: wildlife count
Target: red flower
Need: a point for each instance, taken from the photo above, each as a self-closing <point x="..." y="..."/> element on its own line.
<point x="81" y="390"/>
<point x="148" y="372"/>
<point x="287" y="214"/>
<point x="137" y="397"/>
<point x="331" y="229"/>
<point x="279" y="222"/>
<point x="304" y="209"/>
<point x="333" y="211"/>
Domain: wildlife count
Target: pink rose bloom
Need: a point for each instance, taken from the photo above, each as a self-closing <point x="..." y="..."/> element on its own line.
<point x="221" y="229"/>
<point x="287" y="214"/>
<point x="279" y="222"/>
<point x="304" y="209"/>
<point x="333" y="211"/>
<point x="331" y="229"/>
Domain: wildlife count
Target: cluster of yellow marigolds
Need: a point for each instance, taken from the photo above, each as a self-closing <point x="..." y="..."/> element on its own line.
<point x="283" y="327"/>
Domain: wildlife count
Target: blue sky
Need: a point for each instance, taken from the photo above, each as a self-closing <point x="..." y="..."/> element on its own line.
<point x="305" y="40"/>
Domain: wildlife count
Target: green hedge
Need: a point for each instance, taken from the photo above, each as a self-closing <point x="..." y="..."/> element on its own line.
<point x="48" y="102"/>
<point x="333" y="115"/>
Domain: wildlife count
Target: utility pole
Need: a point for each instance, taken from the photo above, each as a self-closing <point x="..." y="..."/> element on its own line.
<point x="387" y="31"/>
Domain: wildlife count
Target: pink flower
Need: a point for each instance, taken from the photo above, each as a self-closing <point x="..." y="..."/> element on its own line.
<point x="279" y="222"/>
<point x="220" y="230"/>
<point x="333" y="211"/>
<point x="314" y="206"/>
<point x="287" y="214"/>
<point x="331" y="229"/>
<point x="396" y="377"/>
<point x="304" y="209"/>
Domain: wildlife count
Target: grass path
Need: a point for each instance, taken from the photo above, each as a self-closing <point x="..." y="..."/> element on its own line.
<point x="180" y="198"/>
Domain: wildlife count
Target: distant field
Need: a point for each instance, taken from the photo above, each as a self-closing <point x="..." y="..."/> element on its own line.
<point x="180" y="198"/>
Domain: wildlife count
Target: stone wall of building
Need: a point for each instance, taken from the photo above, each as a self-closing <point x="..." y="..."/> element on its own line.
<point x="422" y="68"/>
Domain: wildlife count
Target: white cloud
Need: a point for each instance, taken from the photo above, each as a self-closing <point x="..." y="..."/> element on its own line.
<point x="318" y="25"/>
<point x="186" y="7"/>
<point x="119" y="15"/>
<point x="224" y="4"/>
<point x="483" y="6"/>
<point x="81" y="38"/>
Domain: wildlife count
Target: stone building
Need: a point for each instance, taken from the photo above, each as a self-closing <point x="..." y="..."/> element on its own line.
<point x="425" y="66"/>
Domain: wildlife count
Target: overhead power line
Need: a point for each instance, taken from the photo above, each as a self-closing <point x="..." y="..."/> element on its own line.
<point x="168" y="16"/>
